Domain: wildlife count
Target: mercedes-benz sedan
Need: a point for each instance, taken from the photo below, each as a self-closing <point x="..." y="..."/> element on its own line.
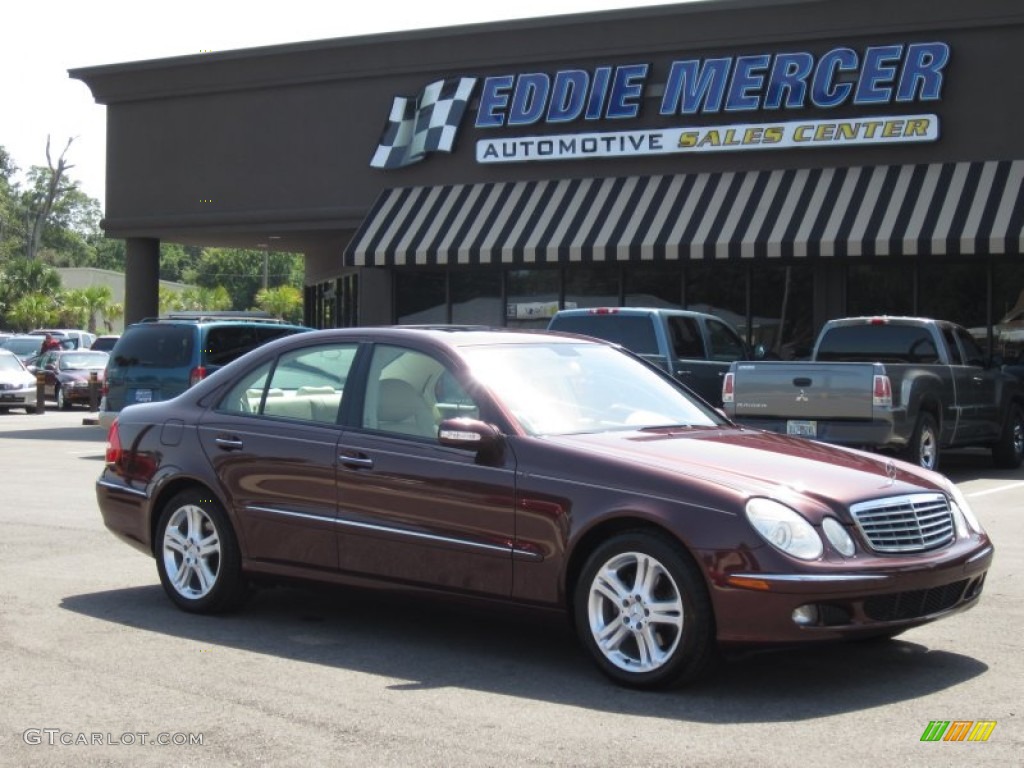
<point x="539" y="470"/>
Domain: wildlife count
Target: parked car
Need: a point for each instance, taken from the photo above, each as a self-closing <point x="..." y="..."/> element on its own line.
<point x="534" y="469"/>
<point x="68" y="374"/>
<point x="70" y="338"/>
<point x="695" y="347"/>
<point x="17" y="384"/>
<point x="25" y="346"/>
<point x="910" y="385"/>
<point x="105" y="343"/>
<point x="160" y="358"/>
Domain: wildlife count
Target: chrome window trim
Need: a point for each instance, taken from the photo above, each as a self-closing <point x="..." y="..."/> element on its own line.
<point x="398" y="531"/>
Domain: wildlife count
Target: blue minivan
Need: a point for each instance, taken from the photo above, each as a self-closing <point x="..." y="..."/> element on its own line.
<point x="160" y="358"/>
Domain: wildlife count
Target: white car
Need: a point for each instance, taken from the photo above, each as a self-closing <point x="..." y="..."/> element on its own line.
<point x="79" y="339"/>
<point x="17" y="385"/>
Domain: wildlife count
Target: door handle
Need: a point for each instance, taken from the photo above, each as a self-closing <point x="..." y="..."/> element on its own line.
<point x="229" y="443"/>
<point x="355" y="461"/>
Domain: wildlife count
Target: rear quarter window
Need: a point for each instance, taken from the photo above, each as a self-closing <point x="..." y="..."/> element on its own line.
<point x="155" y="346"/>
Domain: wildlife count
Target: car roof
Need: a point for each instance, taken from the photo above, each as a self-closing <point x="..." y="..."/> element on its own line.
<point x="454" y="335"/>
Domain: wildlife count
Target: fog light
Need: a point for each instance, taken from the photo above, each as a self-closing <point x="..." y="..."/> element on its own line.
<point x="806" y="615"/>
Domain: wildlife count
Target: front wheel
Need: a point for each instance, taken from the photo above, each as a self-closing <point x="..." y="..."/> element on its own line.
<point x="197" y="555"/>
<point x="924" y="445"/>
<point x="1008" y="452"/>
<point x="63" y="403"/>
<point x="643" y="612"/>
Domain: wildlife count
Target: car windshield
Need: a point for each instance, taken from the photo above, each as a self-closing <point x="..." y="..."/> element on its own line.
<point x="24" y="346"/>
<point x="564" y="388"/>
<point x="83" y="361"/>
<point x="10" y="363"/>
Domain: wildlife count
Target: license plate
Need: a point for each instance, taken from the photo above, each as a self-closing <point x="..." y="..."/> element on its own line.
<point x="802" y="428"/>
<point x="143" y="395"/>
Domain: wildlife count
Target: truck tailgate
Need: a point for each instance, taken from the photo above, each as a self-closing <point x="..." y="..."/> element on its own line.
<point x="819" y="391"/>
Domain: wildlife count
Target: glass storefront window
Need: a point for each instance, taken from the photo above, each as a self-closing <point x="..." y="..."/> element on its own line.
<point x="880" y="289"/>
<point x="591" y="286"/>
<point x="719" y="288"/>
<point x="1007" y="312"/>
<point x="420" y="297"/>
<point x="781" y="303"/>
<point x="650" y="285"/>
<point x="476" y="297"/>
<point x="954" y="292"/>
<point x="532" y="297"/>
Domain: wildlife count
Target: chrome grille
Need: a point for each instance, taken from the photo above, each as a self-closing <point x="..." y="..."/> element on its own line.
<point x="913" y="523"/>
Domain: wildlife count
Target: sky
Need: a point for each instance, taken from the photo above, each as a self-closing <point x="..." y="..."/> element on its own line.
<point x="41" y="41"/>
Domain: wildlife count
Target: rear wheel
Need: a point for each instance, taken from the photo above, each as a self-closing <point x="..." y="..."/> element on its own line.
<point x="62" y="402"/>
<point x="197" y="555"/>
<point x="1008" y="452"/>
<point x="643" y="612"/>
<point x="924" y="445"/>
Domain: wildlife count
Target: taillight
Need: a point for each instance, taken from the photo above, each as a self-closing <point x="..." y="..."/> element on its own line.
<point x="196" y="375"/>
<point x="113" y="455"/>
<point x="603" y="311"/>
<point x="882" y="394"/>
<point x="728" y="387"/>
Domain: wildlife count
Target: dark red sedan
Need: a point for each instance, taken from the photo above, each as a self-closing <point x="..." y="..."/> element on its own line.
<point x="68" y="374"/>
<point x="537" y="469"/>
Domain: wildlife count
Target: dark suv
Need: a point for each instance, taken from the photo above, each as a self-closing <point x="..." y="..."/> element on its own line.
<point x="159" y="358"/>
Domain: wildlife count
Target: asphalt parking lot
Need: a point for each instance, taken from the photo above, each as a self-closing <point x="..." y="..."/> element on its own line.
<point x="98" y="668"/>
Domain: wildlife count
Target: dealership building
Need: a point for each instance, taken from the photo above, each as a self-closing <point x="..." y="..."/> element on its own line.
<point x="776" y="163"/>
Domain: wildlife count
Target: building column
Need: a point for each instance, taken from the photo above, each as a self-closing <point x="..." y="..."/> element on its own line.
<point x="141" y="279"/>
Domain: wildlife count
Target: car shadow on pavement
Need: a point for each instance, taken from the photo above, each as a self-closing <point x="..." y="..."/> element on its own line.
<point x="438" y="645"/>
<point x="75" y="434"/>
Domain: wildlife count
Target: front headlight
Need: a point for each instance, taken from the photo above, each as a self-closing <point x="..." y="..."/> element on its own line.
<point x="960" y="504"/>
<point x="784" y="529"/>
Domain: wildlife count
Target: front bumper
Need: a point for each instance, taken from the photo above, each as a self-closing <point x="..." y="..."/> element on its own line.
<point x="753" y="607"/>
<point x="18" y="398"/>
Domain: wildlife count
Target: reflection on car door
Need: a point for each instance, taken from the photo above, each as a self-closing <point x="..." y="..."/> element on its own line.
<point x="410" y="509"/>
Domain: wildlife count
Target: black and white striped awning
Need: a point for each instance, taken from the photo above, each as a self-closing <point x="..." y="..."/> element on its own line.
<point x="897" y="210"/>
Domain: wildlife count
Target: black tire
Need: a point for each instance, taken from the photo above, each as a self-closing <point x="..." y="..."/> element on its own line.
<point x="613" y="602"/>
<point x="924" y="444"/>
<point x="197" y="555"/>
<point x="63" y="403"/>
<point x="1008" y="451"/>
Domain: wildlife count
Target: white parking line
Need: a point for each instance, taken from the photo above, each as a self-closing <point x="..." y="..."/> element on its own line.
<point x="999" y="489"/>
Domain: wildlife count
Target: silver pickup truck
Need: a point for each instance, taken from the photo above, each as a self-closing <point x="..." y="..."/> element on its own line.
<point x="913" y="386"/>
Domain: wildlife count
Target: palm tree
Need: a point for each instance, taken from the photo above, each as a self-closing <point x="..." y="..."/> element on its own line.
<point x="284" y="301"/>
<point x="98" y="299"/>
<point x="34" y="310"/>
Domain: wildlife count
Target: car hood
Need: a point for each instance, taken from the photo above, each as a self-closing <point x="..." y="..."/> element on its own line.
<point x="19" y="378"/>
<point x="752" y="463"/>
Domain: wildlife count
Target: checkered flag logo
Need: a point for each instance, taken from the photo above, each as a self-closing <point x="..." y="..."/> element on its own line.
<point x="417" y="127"/>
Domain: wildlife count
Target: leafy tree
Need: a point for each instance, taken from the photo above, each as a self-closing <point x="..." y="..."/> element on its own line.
<point x="284" y="302"/>
<point x="32" y="310"/>
<point x="12" y="219"/>
<point x="48" y="185"/>
<point x="241" y="272"/>
<point x="21" y="278"/>
<point x="72" y="309"/>
<point x="195" y="298"/>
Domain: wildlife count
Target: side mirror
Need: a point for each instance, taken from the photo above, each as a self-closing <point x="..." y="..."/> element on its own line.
<point x="469" y="435"/>
<point x="760" y="352"/>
